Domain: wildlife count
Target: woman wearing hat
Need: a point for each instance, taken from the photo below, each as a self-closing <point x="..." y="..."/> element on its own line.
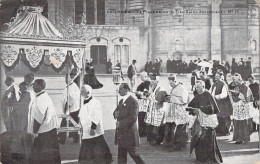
<point x="90" y="77"/>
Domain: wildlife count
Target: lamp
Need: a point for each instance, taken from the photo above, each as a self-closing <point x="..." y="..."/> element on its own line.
<point x="116" y="75"/>
<point x="116" y="80"/>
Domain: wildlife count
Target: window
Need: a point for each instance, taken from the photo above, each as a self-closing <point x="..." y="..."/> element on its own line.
<point x="101" y="12"/>
<point x="253" y="45"/>
<point x="122" y="51"/>
<point x="125" y="55"/>
<point x="117" y="53"/>
<point x="90" y="11"/>
<point x="78" y="11"/>
<point x="94" y="11"/>
<point x="122" y="55"/>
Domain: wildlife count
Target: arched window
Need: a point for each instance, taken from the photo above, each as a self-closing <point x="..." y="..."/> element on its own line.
<point x="122" y="51"/>
<point x="177" y="45"/>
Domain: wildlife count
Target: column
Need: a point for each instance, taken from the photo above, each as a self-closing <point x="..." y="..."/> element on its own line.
<point x="215" y="30"/>
<point x="95" y="11"/>
<point x="149" y="24"/>
<point x="85" y="7"/>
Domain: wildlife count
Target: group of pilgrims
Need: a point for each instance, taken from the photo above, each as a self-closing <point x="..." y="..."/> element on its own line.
<point x="165" y="117"/>
<point x="169" y="117"/>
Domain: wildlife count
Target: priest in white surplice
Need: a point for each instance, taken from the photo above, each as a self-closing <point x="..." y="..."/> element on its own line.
<point x="43" y="124"/>
<point x="94" y="148"/>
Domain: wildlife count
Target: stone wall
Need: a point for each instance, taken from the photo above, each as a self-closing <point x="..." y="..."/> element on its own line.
<point x="182" y="28"/>
<point x="110" y="36"/>
<point x="185" y="26"/>
<point x="240" y="31"/>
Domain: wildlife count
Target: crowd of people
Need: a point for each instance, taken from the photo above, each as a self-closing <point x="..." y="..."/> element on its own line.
<point x="179" y="66"/>
<point x="164" y="117"/>
<point x="242" y="67"/>
<point x="30" y="123"/>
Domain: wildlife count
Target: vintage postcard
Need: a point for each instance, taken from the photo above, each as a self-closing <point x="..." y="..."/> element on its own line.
<point x="165" y="81"/>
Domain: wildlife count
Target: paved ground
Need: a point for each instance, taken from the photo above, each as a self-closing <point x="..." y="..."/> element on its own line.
<point x="232" y="153"/>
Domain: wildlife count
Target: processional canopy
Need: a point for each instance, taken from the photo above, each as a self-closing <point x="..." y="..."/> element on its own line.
<point x="32" y="38"/>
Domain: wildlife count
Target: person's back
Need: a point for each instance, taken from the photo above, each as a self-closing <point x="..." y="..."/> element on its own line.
<point x="20" y="113"/>
<point x="130" y="72"/>
<point x="21" y="139"/>
<point x="45" y="105"/>
<point x="255" y="90"/>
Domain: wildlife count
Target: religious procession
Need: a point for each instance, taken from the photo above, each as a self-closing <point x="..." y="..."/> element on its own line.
<point x="167" y="118"/>
<point x="170" y="117"/>
<point x="103" y="82"/>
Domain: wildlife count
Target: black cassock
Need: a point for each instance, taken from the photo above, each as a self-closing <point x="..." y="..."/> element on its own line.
<point x="90" y="78"/>
<point x="206" y="147"/>
<point x="94" y="150"/>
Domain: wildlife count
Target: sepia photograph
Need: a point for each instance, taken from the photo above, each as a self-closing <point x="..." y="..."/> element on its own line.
<point x="129" y="81"/>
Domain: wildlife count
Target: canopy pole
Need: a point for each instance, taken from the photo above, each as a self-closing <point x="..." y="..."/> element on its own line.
<point x="2" y="91"/>
<point x="67" y="106"/>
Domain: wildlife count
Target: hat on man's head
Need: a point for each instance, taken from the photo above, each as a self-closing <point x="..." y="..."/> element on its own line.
<point x="172" y="77"/>
<point x="134" y="61"/>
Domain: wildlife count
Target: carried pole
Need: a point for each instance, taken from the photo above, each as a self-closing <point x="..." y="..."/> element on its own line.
<point x="67" y="106"/>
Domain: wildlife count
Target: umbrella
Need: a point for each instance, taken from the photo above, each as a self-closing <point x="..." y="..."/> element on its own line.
<point x="205" y="64"/>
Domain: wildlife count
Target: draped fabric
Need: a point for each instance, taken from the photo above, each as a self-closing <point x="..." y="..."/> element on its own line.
<point x="35" y="56"/>
<point x="77" y="57"/>
<point x="9" y="56"/>
<point x="59" y="59"/>
<point x="30" y="21"/>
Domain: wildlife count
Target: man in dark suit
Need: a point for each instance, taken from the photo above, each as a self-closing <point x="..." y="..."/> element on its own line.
<point x="127" y="136"/>
<point x="132" y="73"/>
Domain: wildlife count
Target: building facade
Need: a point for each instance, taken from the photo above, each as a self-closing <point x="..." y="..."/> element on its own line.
<point x="123" y="30"/>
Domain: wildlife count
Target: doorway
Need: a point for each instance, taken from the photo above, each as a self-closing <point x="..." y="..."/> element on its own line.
<point x="99" y="56"/>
